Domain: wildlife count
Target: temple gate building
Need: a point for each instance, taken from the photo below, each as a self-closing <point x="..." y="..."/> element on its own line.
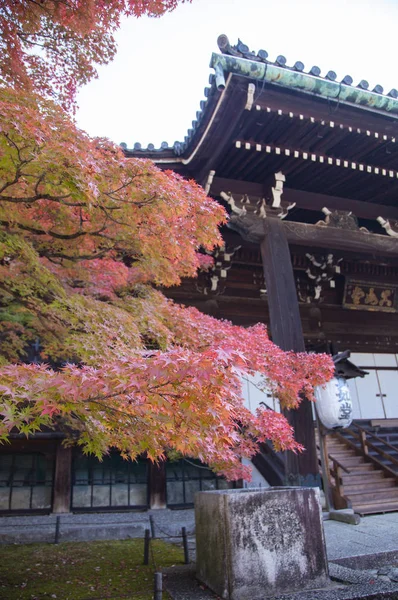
<point x="307" y="167"/>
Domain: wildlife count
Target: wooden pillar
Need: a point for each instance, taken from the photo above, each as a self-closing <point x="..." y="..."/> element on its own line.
<point x="157" y="485"/>
<point x="287" y="333"/>
<point x="62" y="479"/>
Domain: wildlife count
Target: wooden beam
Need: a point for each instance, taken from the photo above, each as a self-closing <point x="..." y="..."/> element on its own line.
<point x="333" y="238"/>
<point x="251" y="228"/>
<point x="157" y="484"/>
<point x="315" y="201"/>
<point x="306" y="200"/>
<point x="287" y="333"/>
<point x="236" y="186"/>
<point x="62" y="479"/>
<point x="283" y="305"/>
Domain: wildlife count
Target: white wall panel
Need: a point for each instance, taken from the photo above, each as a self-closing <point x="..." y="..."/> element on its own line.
<point x="362" y="359"/>
<point x="389" y="386"/>
<point x="385" y="360"/>
<point x="245" y="393"/>
<point x="371" y="406"/>
<point x="252" y="387"/>
<point x="258" y="480"/>
<point x="356" y="410"/>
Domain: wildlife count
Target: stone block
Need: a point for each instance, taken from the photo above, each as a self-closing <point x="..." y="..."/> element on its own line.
<point x="258" y="543"/>
<point x="346" y="515"/>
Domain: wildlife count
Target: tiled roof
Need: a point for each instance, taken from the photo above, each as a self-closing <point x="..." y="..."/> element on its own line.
<point x="359" y="94"/>
<point x="242" y="51"/>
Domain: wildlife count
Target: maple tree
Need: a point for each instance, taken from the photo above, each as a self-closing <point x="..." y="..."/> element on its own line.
<point x="86" y="239"/>
<point x="53" y="46"/>
<point x="85" y="236"/>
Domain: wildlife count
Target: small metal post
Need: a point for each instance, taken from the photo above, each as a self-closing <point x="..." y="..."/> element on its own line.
<point x="185" y="544"/>
<point x="157" y="588"/>
<point x="147" y="541"/>
<point x="57" y="530"/>
<point x="152" y="524"/>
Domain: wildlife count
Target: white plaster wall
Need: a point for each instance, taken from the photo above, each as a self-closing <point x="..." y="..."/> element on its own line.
<point x="375" y="396"/>
<point x="253" y="395"/>
<point x="258" y="481"/>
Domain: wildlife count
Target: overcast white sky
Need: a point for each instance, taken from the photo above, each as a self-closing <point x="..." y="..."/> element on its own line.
<point x="152" y="90"/>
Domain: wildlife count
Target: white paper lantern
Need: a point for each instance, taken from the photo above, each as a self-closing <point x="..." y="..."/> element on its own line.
<point x="334" y="404"/>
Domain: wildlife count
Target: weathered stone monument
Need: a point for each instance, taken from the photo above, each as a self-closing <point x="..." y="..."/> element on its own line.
<point x="258" y="543"/>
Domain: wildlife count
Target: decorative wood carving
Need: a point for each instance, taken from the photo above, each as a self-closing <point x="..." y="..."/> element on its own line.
<point x="259" y="283"/>
<point x="321" y="271"/>
<point x="391" y="227"/>
<point x="341" y="219"/>
<point x="305" y="199"/>
<point x="248" y="215"/>
<point x="213" y="282"/>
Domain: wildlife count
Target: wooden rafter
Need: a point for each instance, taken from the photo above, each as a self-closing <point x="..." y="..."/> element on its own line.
<point x="298" y="153"/>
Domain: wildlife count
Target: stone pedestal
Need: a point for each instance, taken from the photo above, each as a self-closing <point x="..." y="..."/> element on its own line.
<point x="258" y="543"/>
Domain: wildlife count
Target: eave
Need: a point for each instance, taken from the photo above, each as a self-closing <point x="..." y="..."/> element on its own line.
<point x="303" y="82"/>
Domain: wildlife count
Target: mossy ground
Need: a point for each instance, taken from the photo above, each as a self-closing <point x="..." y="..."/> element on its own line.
<point x="83" y="571"/>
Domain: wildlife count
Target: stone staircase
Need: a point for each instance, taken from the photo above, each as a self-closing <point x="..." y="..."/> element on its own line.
<point x="357" y="480"/>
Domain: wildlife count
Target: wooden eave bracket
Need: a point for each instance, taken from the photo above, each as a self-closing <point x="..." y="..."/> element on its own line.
<point x="277" y="191"/>
<point x="260" y="208"/>
<point x="392" y="230"/>
<point x="251" y="88"/>
<point x="209" y="181"/>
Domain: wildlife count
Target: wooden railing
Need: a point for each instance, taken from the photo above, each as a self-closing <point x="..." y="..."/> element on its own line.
<point x="334" y="488"/>
<point x="335" y="472"/>
<point x="365" y="445"/>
